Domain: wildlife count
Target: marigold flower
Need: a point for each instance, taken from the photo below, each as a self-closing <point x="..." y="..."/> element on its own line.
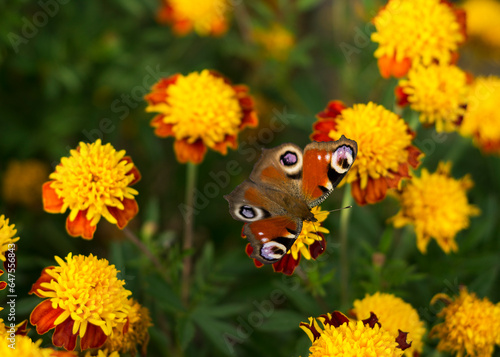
<point x="339" y="336"/>
<point x="310" y="244"/>
<point x="394" y="314"/>
<point x="384" y="141"/>
<point x="93" y="182"/>
<point x="276" y="41"/>
<point x="209" y="17"/>
<point x="482" y="118"/>
<point x="126" y="336"/>
<point x="436" y="204"/>
<point x="438" y="92"/>
<point x="102" y="353"/>
<point x="411" y="32"/>
<point x="22" y="182"/>
<point x="200" y="110"/>
<point x="25" y="347"/>
<point x="84" y="299"/>
<point x="471" y="325"/>
<point x="483" y="21"/>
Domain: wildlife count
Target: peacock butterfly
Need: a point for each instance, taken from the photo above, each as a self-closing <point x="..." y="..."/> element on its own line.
<point x="283" y="187"/>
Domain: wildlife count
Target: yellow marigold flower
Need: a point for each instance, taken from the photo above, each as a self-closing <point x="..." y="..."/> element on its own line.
<point x="7" y="234"/>
<point x="126" y="336"/>
<point x="385" y="147"/>
<point x="393" y="314"/>
<point x="471" y="325"/>
<point x="84" y="299"/>
<point x="482" y="118"/>
<point x="208" y="17"/>
<point x="200" y="110"/>
<point x="483" y="20"/>
<point x="438" y="92"/>
<point x="24" y="347"/>
<point x="93" y="182"/>
<point x="22" y="182"/>
<point x="436" y="204"/>
<point x="338" y="336"/>
<point x="411" y="32"/>
<point x="276" y="41"/>
<point x="310" y="243"/>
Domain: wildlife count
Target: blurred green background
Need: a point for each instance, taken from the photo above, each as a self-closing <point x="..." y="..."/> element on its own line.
<point x="91" y="64"/>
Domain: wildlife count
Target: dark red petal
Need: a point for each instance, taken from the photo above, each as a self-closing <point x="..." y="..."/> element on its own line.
<point x="130" y="209"/>
<point x="94" y="337"/>
<point x="22" y="328"/>
<point x="401" y="96"/>
<point x="162" y="129"/>
<point x="43" y="316"/>
<point x="325" y="126"/>
<point x="318" y="247"/>
<point x="44" y="278"/>
<point x="372" y="320"/>
<point x="401" y="340"/>
<point x="63" y="335"/>
<point x="320" y="137"/>
<point x="80" y="226"/>
<point x="286" y="265"/>
<point x="414" y="156"/>
<point x="313" y="330"/>
<point x="336" y="319"/>
<point x="3" y="285"/>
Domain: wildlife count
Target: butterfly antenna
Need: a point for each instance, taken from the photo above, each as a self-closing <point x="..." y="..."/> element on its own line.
<point x="340" y="209"/>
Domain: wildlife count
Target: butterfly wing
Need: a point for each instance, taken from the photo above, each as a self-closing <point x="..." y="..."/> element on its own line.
<point x="324" y="166"/>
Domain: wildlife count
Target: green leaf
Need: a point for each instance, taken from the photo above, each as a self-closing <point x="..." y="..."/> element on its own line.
<point x="218" y="332"/>
<point x="304" y="5"/>
<point x="186" y="331"/>
<point x="281" y="321"/>
<point x="164" y="294"/>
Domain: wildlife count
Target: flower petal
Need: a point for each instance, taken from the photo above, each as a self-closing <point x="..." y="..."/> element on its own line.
<point x="286" y="265"/>
<point x="80" y="226"/>
<point x="51" y="202"/>
<point x="63" y="335"/>
<point x="130" y="209"/>
<point x="194" y="152"/>
<point x="44" y="278"/>
<point x="134" y="171"/>
<point x="44" y="315"/>
<point x="162" y="129"/>
<point x="94" y="337"/>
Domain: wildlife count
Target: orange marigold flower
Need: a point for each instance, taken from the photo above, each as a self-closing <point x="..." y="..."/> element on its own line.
<point x="436" y="204"/>
<point x="482" y="118"/>
<point x="126" y="336"/>
<point x="208" y="17"/>
<point x="438" y="92"/>
<point x="411" y="32"/>
<point x="200" y="110"/>
<point x="384" y="141"/>
<point x="25" y="347"/>
<point x="393" y="314"/>
<point x="93" y="182"/>
<point x="310" y="244"/>
<point x="335" y="335"/>
<point x="84" y="298"/>
<point x="22" y="182"/>
<point x="471" y="325"/>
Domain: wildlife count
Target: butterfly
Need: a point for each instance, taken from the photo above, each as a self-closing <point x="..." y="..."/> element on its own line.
<point x="283" y="187"/>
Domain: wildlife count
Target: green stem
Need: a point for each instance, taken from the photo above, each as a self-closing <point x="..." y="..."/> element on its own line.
<point x="187" y="245"/>
<point x="344" y="259"/>
<point x="136" y="241"/>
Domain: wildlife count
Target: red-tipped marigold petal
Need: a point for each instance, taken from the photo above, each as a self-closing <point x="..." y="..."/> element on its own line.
<point x="51" y="202"/>
<point x="194" y="152"/>
<point x="3" y="285"/>
<point x="130" y="209"/>
<point x="44" y="278"/>
<point x="162" y="129"/>
<point x="318" y="247"/>
<point x="401" y="68"/>
<point x="414" y="155"/>
<point x="336" y="319"/>
<point x="321" y="137"/>
<point x="401" y="340"/>
<point x="133" y="170"/>
<point x="286" y="265"/>
<point x="332" y="110"/>
<point x="374" y="192"/>
<point x="80" y="227"/>
<point x="22" y="328"/>
<point x="43" y="316"/>
<point x="401" y="96"/>
<point x="63" y="335"/>
<point x="372" y="320"/>
<point x="94" y="337"/>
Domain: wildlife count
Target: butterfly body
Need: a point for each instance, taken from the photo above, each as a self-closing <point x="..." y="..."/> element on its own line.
<point x="283" y="187"/>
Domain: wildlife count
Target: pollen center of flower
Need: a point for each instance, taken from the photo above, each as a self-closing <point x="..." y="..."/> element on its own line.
<point x="93" y="177"/>
<point x="202" y="106"/>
